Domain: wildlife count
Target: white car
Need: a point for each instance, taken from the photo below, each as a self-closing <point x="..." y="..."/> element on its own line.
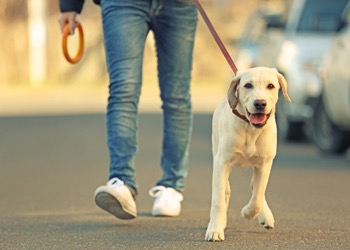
<point x="310" y="27"/>
<point x="331" y="119"/>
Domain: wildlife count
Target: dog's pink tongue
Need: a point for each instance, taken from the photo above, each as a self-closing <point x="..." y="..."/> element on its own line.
<point x="257" y="118"/>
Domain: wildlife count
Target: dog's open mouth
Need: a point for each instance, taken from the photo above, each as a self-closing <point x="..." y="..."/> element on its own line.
<point x="258" y="120"/>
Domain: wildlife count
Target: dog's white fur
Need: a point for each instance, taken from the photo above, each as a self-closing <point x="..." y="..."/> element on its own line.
<point x="237" y="143"/>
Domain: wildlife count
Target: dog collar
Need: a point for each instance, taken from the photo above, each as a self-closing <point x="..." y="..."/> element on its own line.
<point x="234" y="111"/>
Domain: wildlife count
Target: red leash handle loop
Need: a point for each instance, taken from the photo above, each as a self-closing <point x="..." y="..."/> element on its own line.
<point x="216" y="37"/>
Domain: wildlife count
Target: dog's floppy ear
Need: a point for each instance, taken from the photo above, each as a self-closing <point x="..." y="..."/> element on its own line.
<point x="283" y="83"/>
<point x="231" y="93"/>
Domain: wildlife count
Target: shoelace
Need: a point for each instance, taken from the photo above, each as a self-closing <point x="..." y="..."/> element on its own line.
<point x="157" y="191"/>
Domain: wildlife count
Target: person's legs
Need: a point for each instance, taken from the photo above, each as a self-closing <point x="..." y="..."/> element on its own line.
<point x="125" y="28"/>
<point x="174" y="24"/>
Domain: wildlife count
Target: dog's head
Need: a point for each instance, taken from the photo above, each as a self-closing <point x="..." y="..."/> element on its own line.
<point x="255" y="91"/>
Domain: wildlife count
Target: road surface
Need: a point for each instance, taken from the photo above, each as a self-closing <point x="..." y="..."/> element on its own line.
<point x="51" y="165"/>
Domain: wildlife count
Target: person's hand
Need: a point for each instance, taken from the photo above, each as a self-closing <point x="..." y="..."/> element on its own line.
<point x="70" y="18"/>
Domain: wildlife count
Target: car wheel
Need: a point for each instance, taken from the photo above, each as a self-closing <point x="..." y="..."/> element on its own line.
<point x="326" y="135"/>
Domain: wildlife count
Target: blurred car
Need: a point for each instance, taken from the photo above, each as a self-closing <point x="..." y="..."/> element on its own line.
<point x="297" y="53"/>
<point x="331" y="119"/>
<point x="248" y="45"/>
<point x="264" y="22"/>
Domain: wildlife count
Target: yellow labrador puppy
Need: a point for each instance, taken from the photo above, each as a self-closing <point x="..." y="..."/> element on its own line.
<point x="245" y="135"/>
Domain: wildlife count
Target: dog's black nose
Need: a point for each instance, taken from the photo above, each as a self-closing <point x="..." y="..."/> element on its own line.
<point x="260" y="105"/>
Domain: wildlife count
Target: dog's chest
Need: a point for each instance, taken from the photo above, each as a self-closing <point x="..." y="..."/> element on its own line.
<point x="240" y="160"/>
<point x="246" y="157"/>
<point x="248" y="152"/>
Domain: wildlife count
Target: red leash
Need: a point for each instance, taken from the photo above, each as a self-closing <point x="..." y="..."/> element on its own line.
<point x="216" y="37"/>
<point x="223" y="50"/>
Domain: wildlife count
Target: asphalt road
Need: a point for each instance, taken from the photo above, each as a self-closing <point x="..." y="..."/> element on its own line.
<point x="50" y="167"/>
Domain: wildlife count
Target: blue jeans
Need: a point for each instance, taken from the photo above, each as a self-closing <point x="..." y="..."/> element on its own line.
<point x="126" y="24"/>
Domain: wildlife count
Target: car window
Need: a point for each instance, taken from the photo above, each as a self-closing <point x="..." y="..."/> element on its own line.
<point x="321" y="15"/>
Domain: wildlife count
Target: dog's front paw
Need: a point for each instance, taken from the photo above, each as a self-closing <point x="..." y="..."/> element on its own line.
<point x="250" y="212"/>
<point x="266" y="219"/>
<point x="215" y="235"/>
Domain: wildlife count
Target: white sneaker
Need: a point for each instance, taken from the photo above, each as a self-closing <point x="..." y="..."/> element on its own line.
<point x="167" y="201"/>
<point x="116" y="199"/>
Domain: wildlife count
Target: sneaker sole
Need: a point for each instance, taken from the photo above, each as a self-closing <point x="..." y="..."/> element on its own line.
<point x="111" y="205"/>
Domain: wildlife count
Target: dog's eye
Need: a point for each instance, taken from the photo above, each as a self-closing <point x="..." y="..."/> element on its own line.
<point x="248" y="86"/>
<point x="270" y="86"/>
